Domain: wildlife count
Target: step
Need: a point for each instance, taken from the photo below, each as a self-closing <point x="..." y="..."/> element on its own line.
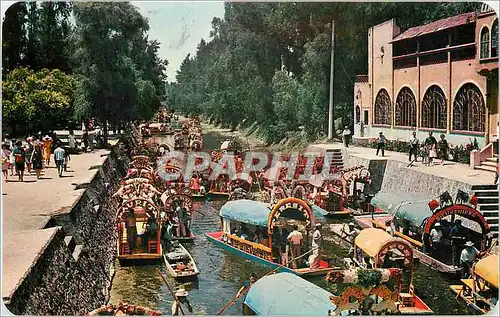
<point x="70" y="243"/>
<point x="484" y="187"/>
<point x="488" y="200"/>
<point x="492" y="220"/>
<point x="490" y="214"/>
<point x="483" y="193"/>
<point x="486" y="168"/>
<point x="494" y="227"/>
<point x="488" y="207"/>
<point x="489" y="163"/>
<point x="492" y="159"/>
<point x="77" y="251"/>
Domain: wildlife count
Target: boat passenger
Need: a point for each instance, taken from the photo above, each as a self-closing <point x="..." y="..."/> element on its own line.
<point x="181" y="298"/>
<point x="360" y="199"/>
<point x="388" y="227"/>
<point x="151" y="229"/>
<point x="167" y="235"/>
<point x="467" y="258"/>
<point x="244" y="232"/>
<point x="436" y="235"/>
<point x="284" y="246"/>
<point x="295" y="238"/>
<point x="317" y="244"/>
<point x="246" y="285"/>
<point x="203" y="191"/>
<point x="181" y="215"/>
<point x="131" y="229"/>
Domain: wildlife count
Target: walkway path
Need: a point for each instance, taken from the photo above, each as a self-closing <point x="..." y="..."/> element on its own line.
<point x="450" y="170"/>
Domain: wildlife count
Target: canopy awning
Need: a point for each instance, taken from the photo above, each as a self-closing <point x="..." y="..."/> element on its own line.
<point x="288" y="294"/>
<point x="487" y="269"/>
<point x="318" y="211"/>
<point x="415" y="212"/>
<point x="371" y="240"/>
<point x="390" y="202"/>
<point x="246" y="211"/>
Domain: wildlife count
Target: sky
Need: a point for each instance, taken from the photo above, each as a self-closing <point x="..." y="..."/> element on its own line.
<point x="178" y="26"/>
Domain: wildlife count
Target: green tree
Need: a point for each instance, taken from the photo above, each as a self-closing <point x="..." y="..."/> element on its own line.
<point x="14" y="36"/>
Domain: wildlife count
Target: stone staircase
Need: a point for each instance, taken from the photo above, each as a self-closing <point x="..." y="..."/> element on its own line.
<point x="488" y="165"/>
<point x="487" y="197"/>
<point x="337" y="159"/>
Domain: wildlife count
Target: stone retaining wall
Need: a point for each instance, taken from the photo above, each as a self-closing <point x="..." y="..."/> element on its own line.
<point x="73" y="275"/>
<point x="395" y="177"/>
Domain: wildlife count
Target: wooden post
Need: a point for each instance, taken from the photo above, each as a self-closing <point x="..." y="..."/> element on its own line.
<point x="332" y="71"/>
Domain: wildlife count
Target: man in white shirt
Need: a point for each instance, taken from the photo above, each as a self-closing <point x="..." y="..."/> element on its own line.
<point x="413" y="146"/>
<point x="295" y="239"/>
<point x="317" y="244"/>
<point x="346" y="134"/>
<point x="436" y="235"/>
<point x="59" y="158"/>
<point x="467" y="257"/>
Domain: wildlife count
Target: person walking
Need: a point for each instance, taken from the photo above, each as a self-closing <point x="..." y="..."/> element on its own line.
<point x="5" y="161"/>
<point x="317" y="244"/>
<point x="37" y="159"/>
<point x="59" y="158"/>
<point x="442" y="148"/>
<point x="67" y="158"/>
<point x="295" y="238"/>
<point x="85" y="140"/>
<point x="346" y="135"/>
<point x="413" y="146"/>
<point x="12" y="159"/>
<point x="381" y="140"/>
<point x="47" y="149"/>
<point x="20" y="160"/>
<point x="430" y="147"/>
<point x="72" y="141"/>
<point x="29" y="153"/>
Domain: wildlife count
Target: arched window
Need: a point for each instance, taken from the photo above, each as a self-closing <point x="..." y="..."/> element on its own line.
<point x="485" y="43"/>
<point x="358" y="114"/>
<point x="434" y="108"/>
<point x="494" y="39"/>
<point x="406" y="108"/>
<point x="469" y="109"/>
<point x="383" y="108"/>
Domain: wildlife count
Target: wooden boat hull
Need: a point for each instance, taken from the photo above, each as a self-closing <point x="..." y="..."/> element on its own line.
<point x="457" y="289"/>
<point x="420" y="308"/>
<point x="187" y="275"/>
<point x="367" y="222"/>
<point x="339" y="214"/>
<point x="185" y="239"/>
<point x="215" y="238"/>
<point x="218" y="195"/>
<point x="139" y="259"/>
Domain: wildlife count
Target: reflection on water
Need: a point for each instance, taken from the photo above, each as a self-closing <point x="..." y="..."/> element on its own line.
<point x="221" y="273"/>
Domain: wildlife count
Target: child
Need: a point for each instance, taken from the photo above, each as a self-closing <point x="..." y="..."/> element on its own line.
<point x="5" y="161"/>
<point x="67" y="158"/>
<point x="432" y="154"/>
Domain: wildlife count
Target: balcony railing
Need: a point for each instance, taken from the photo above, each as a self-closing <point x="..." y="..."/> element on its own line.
<point x="361" y="79"/>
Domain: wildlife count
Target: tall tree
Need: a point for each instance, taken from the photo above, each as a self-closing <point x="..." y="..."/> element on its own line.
<point x="14" y="36"/>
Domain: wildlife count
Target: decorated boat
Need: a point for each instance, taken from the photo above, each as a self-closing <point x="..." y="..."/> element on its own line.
<point x="375" y="248"/>
<point x="374" y="292"/>
<point x="219" y="188"/>
<point x="480" y="290"/>
<point x="124" y="309"/>
<point x="139" y="227"/>
<point x="287" y="294"/>
<point x="179" y="263"/>
<point x="414" y="219"/>
<point x="173" y="197"/>
<point x="255" y="218"/>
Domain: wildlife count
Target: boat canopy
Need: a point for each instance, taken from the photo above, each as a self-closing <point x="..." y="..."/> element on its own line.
<point x="390" y="202"/>
<point x="371" y="240"/>
<point x="246" y="211"/>
<point x="288" y="294"/>
<point x="487" y="269"/>
<point x="257" y="212"/>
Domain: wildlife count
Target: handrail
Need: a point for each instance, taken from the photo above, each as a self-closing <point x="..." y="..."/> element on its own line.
<point x="249" y="243"/>
<point x="476" y="157"/>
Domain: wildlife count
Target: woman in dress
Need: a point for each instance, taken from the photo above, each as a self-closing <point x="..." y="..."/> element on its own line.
<point x="47" y="149"/>
<point x="5" y="161"/>
<point x="36" y="159"/>
<point x="443" y="149"/>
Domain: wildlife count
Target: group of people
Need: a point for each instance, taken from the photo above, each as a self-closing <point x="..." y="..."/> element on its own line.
<point x="33" y="155"/>
<point x="432" y="149"/>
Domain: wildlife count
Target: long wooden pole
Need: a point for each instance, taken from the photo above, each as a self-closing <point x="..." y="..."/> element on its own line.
<point x="171" y="292"/>
<point x="270" y="272"/>
<point x="332" y="70"/>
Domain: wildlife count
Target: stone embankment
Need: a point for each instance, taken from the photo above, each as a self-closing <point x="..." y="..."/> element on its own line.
<point x="72" y="271"/>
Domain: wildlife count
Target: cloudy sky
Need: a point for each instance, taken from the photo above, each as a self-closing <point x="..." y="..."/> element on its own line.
<point x="178" y="26"/>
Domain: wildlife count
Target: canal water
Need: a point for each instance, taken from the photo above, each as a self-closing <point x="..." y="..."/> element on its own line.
<point x="222" y="274"/>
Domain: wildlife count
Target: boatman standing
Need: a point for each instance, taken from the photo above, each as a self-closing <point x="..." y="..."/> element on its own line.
<point x="317" y="243"/>
<point x="181" y="298"/>
<point x="246" y="285"/>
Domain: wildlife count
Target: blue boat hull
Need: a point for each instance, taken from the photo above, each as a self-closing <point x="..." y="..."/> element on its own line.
<point x="251" y="257"/>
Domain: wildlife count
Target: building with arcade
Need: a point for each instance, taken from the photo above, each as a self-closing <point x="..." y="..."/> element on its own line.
<point x="440" y="77"/>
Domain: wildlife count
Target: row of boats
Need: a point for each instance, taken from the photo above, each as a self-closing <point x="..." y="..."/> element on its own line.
<point x="394" y="232"/>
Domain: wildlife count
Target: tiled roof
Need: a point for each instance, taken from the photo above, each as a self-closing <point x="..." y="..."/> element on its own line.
<point x="436" y="26"/>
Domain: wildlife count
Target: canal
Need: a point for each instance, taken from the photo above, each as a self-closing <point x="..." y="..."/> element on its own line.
<point x="222" y="274"/>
